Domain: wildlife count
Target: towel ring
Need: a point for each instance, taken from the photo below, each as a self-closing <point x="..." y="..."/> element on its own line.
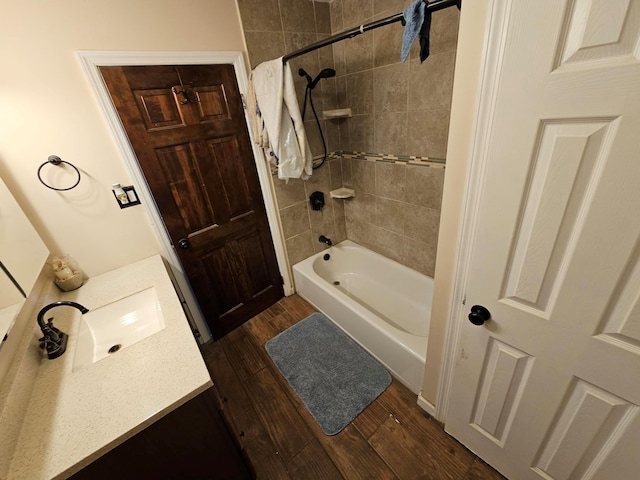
<point x="56" y="160"/>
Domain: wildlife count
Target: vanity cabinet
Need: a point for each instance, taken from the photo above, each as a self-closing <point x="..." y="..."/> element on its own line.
<point x="192" y="442"/>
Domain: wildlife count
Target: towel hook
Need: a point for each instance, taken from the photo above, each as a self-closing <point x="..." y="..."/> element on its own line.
<point x="56" y="160"/>
<point x="184" y="92"/>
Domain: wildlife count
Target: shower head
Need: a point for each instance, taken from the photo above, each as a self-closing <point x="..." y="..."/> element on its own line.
<point x="327" y="73"/>
<point x="324" y="73"/>
<point x="302" y="72"/>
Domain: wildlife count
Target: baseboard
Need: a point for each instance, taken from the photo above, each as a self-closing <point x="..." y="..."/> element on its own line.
<point x="427" y="406"/>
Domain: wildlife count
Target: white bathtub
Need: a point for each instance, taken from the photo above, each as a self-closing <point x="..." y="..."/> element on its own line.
<point x="383" y="305"/>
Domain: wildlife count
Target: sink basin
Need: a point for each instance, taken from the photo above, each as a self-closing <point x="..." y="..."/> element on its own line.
<point x="110" y="328"/>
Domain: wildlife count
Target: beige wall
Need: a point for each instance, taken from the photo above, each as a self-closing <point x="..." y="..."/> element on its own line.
<point x="48" y="108"/>
<point x="466" y="93"/>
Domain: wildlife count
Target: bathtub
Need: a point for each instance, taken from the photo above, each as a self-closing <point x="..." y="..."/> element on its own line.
<point x="381" y="304"/>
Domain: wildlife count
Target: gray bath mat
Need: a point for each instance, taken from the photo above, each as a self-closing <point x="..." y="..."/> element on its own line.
<point x="334" y="377"/>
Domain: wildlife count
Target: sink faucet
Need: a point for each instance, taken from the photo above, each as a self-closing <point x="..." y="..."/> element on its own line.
<point x="53" y="340"/>
<point x="323" y="239"/>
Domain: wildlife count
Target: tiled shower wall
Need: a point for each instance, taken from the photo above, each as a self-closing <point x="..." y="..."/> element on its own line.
<point x="396" y="210"/>
<point x="398" y="109"/>
<point x="273" y="28"/>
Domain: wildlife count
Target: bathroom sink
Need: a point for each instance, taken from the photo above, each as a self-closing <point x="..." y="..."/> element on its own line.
<point x="106" y="330"/>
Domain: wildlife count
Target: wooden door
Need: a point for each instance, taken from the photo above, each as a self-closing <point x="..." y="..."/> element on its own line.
<point x="186" y="125"/>
<point x="549" y="388"/>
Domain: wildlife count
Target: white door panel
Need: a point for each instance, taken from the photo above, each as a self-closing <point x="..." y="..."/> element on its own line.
<point x="550" y="386"/>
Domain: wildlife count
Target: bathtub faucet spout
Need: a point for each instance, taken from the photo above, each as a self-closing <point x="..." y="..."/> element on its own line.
<point x="323" y="239"/>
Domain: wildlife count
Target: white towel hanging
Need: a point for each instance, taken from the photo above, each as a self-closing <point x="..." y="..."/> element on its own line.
<point x="279" y="122"/>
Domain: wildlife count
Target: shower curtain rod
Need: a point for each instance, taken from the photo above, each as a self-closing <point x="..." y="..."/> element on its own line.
<point x="431" y="7"/>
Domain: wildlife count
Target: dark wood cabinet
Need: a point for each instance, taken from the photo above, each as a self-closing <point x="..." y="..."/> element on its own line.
<point x="192" y="442"/>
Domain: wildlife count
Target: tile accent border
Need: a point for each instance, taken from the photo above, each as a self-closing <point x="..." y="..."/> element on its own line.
<point x="391" y="158"/>
<point x="380" y="157"/>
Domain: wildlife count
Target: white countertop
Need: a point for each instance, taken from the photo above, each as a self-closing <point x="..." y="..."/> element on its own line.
<point x="74" y="417"/>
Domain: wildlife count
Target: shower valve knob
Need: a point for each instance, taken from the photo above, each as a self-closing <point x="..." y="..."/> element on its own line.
<point x="184" y="243"/>
<point x="479" y="315"/>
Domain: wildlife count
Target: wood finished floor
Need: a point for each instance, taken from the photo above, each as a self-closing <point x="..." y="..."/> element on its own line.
<point x="393" y="438"/>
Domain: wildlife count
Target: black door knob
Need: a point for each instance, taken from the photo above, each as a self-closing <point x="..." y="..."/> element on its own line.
<point x="184" y="243"/>
<point x="479" y="315"/>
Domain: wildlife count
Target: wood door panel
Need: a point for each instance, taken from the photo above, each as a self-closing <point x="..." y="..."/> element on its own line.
<point x="238" y="258"/>
<point x="183" y="178"/>
<point x="159" y="109"/>
<point x="152" y="76"/>
<point x="217" y="86"/>
<point x="236" y="188"/>
<point x="240" y="270"/>
<point x="254" y="257"/>
<point x="186" y="125"/>
<point x="218" y="265"/>
<point x="212" y="105"/>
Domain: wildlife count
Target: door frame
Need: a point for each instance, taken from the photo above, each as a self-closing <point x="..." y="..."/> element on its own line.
<point x="487" y="86"/>
<point x="91" y="60"/>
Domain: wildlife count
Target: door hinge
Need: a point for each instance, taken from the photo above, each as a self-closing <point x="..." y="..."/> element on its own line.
<point x="464" y="300"/>
<point x="244" y="101"/>
<point x="196" y="333"/>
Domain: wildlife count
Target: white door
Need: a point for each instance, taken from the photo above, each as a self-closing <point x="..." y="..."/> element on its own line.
<point x="549" y="388"/>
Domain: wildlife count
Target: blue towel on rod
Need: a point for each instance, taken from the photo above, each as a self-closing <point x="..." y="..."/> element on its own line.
<point x="417" y="22"/>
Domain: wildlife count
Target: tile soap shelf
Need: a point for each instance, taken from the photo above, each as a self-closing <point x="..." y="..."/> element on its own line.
<point x="343" y="193"/>
<point x="338" y="113"/>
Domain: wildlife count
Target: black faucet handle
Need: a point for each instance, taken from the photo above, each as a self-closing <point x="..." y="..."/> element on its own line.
<point x="51" y="333"/>
<point x="51" y="326"/>
<point x="55" y="344"/>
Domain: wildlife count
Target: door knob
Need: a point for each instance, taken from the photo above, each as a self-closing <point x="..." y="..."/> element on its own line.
<point x="184" y="243"/>
<point x="479" y="315"/>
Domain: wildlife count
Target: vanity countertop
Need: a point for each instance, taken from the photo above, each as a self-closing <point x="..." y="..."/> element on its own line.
<point x="74" y="417"/>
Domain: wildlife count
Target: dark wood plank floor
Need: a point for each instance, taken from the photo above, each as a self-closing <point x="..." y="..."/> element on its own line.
<point x="392" y="439"/>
